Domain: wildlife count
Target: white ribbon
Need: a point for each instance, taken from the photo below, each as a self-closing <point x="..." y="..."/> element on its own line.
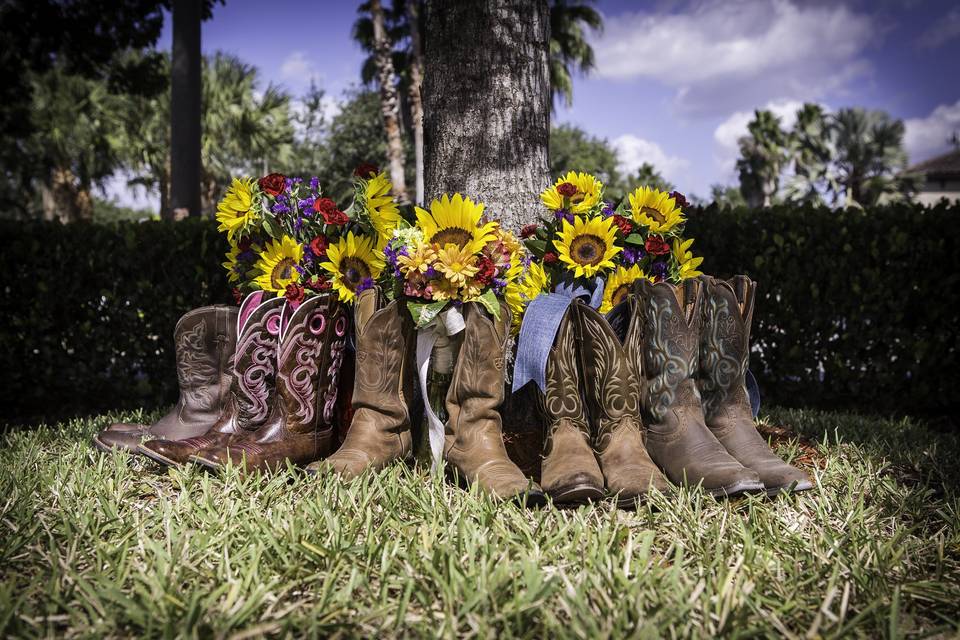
<point x="448" y="323"/>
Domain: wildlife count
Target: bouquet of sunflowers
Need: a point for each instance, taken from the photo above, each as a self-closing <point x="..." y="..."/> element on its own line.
<point x="585" y="237"/>
<point x="287" y="238"/>
<point x="454" y="254"/>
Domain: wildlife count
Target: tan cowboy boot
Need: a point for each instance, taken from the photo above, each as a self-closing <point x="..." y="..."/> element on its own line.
<point x="300" y="427"/>
<point x="254" y="384"/>
<point x="382" y="389"/>
<point x="724" y="353"/>
<point x="569" y="471"/>
<point x="204" y="340"/>
<point x="474" y="431"/>
<point x="678" y="439"/>
<point x="613" y="396"/>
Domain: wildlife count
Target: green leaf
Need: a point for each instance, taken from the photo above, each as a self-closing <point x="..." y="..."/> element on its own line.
<point x="635" y="238"/>
<point x="490" y="303"/>
<point x="536" y="247"/>
<point x="423" y="313"/>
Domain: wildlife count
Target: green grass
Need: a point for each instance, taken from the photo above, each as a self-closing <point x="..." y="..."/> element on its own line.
<point x="101" y="545"/>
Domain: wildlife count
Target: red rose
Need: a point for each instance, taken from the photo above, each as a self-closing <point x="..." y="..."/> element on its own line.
<point x="244" y="243"/>
<point x="318" y="283"/>
<point x="237" y="296"/>
<point x="294" y="292"/>
<point x="365" y="169"/>
<point x="319" y="246"/>
<point x="656" y="246"/>
<point x="528" y="230"/>
<point x="567" y="190"/>
<point x="336" y="217"/>
<point x="328" y="209"/>
<point x="485" y="271"/>
<point x="273" y="184"/>
<point x="549" y="257"/>
<point x="680" y="199"/>
<point x="625" y="225"/>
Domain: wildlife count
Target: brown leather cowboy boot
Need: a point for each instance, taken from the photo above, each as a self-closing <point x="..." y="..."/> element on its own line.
<point x="300" y="427"/>
<point x="678" y="439"/>
<point x="569" y="471"/>
<point x="254" y="384"/>
<point x="724" y="353"/>
<point x="613" y="396"/>
<point x="382" y="389"/>
<point x="204" y="340"/>
<point x="474" y="431"/>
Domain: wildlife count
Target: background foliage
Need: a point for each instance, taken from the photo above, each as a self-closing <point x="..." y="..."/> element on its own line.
<point x="857" y="309"/>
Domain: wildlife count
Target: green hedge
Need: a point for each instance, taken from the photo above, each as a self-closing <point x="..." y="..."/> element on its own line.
<point x="857" y="310"/>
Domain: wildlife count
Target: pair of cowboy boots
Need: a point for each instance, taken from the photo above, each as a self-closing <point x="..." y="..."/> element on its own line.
<point x="204" y="342"/>
<point x="692" y="348"/>
<point x="594" y="444"/>
<point x="380" y="432"/>
<point x="280" y="407"/>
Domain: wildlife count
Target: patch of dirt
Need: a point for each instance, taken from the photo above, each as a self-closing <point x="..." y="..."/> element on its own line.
<point x="808" y="455"/>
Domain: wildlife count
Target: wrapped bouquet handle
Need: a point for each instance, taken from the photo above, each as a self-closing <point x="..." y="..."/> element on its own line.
<point x="436" y="333"/>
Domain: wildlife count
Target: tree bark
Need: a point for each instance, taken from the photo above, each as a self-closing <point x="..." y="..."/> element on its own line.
<point x="416" y="84"/>
<point x="64" y="199"/>
<point x="389" y="100"/>
<point x="185" y="91"/>
<point x="486" y="102"/>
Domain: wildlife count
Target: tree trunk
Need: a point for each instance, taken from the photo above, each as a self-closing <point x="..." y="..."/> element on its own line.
<point x="389" y="100"/>
<point x="486" y="103"/>
<point x="185" y="109"/>
<point x="416" y="83"/>
<point x="64" y="199"/>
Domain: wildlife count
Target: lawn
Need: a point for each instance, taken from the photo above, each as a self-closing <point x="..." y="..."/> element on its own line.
<point x="108" y="545"/>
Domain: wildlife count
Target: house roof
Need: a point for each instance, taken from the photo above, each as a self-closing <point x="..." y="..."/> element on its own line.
<point x="942" y="167"/>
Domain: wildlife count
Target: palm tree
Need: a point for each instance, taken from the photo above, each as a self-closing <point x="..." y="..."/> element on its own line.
<point x="763" y="153"/>
<point x="569" y="49"/>
<point x="811" y="149"/>
<point x="869" y="157"/>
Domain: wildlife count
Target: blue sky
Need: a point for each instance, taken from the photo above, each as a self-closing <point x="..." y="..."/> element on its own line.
<point x="676" y="80"/>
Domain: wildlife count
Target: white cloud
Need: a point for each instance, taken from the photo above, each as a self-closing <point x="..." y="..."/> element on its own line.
<point x="719" y="55"/>
<point x="728" y="133"/>
<point x="927" y="137"/>
<point x="298" y="71"/>
<point x="633" y="151"/>
<point x="942" y="31"/>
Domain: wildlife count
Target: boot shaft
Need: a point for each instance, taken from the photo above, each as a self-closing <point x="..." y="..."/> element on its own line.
<point x="562" y="396"/>
<point x="725" y="342"/>
<point x="255" y="361"/>
<point x="668" y="332"/>
<point x="205" y="340"/>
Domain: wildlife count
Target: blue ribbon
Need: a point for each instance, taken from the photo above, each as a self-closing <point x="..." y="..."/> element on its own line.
<point x="540" y="324"/>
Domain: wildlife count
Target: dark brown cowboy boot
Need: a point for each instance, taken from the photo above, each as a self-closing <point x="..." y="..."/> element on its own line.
<point x="724" y="353"/>
<point x="569" y="471"/>
<point x="204" y="340"/>
<point x="382" y="389"/>
<point x="474" y="431"/>
<point x="254" y="384"/>
<point x="300" y="427"/>
<point x="613" y="397"/>
<point x="678" y="439"/>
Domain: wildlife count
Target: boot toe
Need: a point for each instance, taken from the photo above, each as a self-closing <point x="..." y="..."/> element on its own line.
<point x="347" y="463"/>
<point x="784" y="478"/>
<point x="111" y="439"/>
<point x="575" y="488"/>
<point x="168" y="452"/>
<point x="731" y="480"/>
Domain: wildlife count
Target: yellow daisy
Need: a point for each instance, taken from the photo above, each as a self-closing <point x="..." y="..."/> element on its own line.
<point x="455" y="221"/>
<point x="685" y="260"/>
<point x="456" y="264"/>
<point x="655" y="210"/>
<point x="443" y="289"/>
<point x="618" y="286"/>
<point x="278" y="265"/>
<point x="353" y="260"/>
<point x="237" y="209"/>
<point x="383" y="210"/>
<point x="588" y="192"/>
<point x="418" y="259"/>
<point x="586" y="246"/>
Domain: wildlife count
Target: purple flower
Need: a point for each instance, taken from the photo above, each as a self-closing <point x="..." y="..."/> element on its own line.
<point x="607" y="209"/>
<point x="659" y="268"/>
<point x="559" y="214"/>
<point x="288" y="182"/>
<point x="306" y="205"/>
<point x="298" y="224"/>
<point x="246" y="256"/>
<point x="430" y="273"/>
<point x="297" y="180"/>
<point x="308" y="256"/>
<point x="314" y="184"/>
<point x="363" y="286"/>
<point x="299" y="269"/>
<point x="499" y="284"/>
<point x="629" y="255"/>
<point x="280" y="208"/>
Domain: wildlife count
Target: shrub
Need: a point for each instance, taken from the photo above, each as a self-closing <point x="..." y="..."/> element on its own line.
<point x="856" y="309"/>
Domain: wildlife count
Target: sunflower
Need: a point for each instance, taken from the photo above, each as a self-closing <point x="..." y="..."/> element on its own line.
<point x="382" y="208"/>
<point x="234" y="268"/>
<point x="455" y="221"/>
<point x="587" y="245"/>
<point x="456" y="264"/>
<point x="353" y="261"/>
<point x="618" y="286"/>
<point x="522" y="287"/>
<point x="236" y="209"/>
<point x="278" y="265"/>
<point x="588" y="192"/>
<point x="685" y="260"/>
<point x="655" y="210"/>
